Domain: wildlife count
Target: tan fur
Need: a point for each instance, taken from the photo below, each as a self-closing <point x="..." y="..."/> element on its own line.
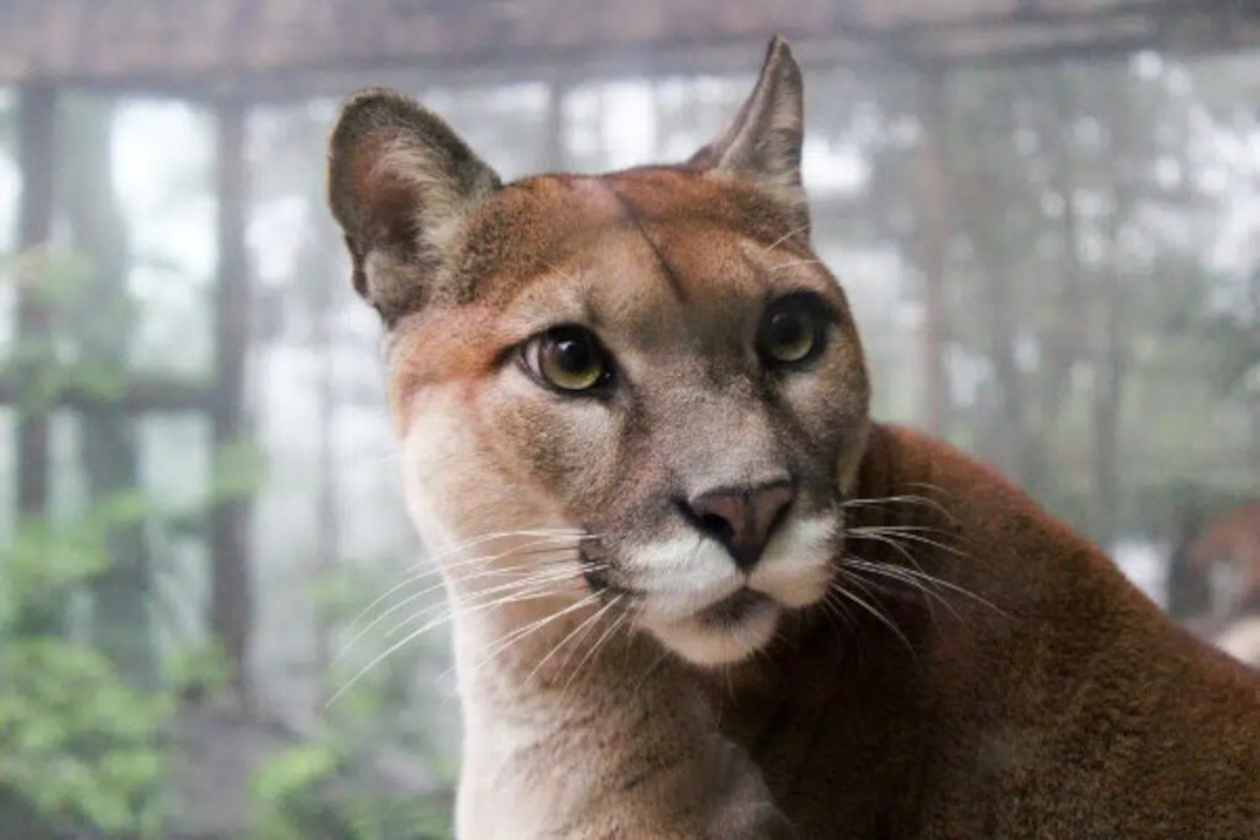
<point x="919" y="653"/>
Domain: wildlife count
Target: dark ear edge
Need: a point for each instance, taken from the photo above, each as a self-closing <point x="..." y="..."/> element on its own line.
<point x="400" y="182"/>
<point x="763" y="144"/>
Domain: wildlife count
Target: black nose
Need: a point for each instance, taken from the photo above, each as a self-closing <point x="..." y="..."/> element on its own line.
<point x="741" y="518"/>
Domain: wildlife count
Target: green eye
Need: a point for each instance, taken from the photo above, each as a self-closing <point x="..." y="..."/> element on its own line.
<point x="790" y="332"/>
<point x="569" y="359"/>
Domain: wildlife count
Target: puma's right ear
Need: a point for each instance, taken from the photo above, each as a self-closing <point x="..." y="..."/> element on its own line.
<point x="763" y="144"/>
<point x="400" y="183"/>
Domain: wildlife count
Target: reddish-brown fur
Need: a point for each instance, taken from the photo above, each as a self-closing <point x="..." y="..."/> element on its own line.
<point x="1070" y="707"/>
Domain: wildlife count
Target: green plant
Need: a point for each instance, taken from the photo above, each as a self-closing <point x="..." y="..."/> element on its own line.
<point x="314" y="792"/>
<point x="78" y="747"/>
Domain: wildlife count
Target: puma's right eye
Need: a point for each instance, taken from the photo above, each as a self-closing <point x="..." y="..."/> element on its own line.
<point x="792" y="331"/>
<point x="570" y="359"/>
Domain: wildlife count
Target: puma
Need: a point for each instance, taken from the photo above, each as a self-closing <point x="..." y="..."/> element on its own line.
<point x="697" y="591"/>
<point x="1230" y="544"/>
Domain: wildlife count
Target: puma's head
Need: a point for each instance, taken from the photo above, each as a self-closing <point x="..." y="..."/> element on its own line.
<point x="652" y="357"/>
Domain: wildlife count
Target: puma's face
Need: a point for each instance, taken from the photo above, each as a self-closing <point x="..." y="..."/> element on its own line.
<point x="653" y="357"/>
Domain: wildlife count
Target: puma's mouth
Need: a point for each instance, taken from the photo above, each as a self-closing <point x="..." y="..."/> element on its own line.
<point x="728" y="631"/>
<point x="733" y="610"/>
<point x="693" y="598"/>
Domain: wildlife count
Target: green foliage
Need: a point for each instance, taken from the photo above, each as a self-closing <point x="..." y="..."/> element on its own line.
<point x="77" y="746"/>
<point x="199" y="670"/>
<point x="238" y="473"/>
<point x="310" y="793"/>
<point x="49" y="562"/>
<point x="330" y="788"/>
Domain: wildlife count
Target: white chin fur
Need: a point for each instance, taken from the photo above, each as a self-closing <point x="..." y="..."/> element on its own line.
<point x="685" y="577"/>
<point x="710" y="645"/>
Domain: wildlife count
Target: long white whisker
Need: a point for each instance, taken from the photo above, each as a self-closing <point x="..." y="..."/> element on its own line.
<point x="499" y="595"/>
<point x="511" y="639"/>
<point x="415" y="596"/>
<point x="785" y="237"/>
<point x="879" y="616"/>
<point x="921" y="577"/>
<point x="877" y="533"/>
<point x="585" y="624"/>
<point x="436" y="569"/>
<point x="544" y="591"/>
<point x="607" y="634"/>
<point x="793" y="263"/>
<point x="907" y="498"/>
<point x="902" y="575"/>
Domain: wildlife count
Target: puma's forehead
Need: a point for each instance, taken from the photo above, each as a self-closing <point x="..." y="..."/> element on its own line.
<point x="533" y="225"/>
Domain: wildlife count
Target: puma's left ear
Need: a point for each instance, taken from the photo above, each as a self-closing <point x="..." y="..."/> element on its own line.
<point x="763" y="145"/>
<point x="401" y="183"/>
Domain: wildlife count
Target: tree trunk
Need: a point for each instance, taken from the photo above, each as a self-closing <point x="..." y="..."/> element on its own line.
<point x="104" y="320"/>
<point x="231" y="605"/>
<point x="1108" y="385"/>
<point x="934" y="233"/>
<point x="37" y="132"/>
<point x="1111" y="344"/>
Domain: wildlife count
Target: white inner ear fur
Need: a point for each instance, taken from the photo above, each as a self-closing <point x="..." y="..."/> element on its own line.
<point x="764" y="143"/>
<point x="447" y="198"/>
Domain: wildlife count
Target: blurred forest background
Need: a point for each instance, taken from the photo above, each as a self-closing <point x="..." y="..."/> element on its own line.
<point x="1055" y="263"/>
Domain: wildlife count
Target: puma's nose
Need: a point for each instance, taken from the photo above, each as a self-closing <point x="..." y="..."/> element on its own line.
<point x="741" y="518"/>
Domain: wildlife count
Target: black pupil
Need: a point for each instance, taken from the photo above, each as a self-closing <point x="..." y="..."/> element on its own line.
<point x="785" y="329"/>
<point x="574" y="355"/>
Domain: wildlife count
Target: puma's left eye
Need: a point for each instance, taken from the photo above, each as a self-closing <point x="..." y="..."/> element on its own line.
<point x="791" y="331"/>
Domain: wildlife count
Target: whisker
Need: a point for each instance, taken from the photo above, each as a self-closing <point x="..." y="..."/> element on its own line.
<point x="785" y="237"/>
<point x="793" y="263"/>
<point x="923" y="577"/>
<point x="499" y="595"/>
<point x="360" y="632"/>
<point x="585" y="624"/>
<point x="878" y="615"/>
<point x="651" y="669"/>
<point x="607" y="634"/>
<point x="876" y="533"/>
<point x="544" y="591"/>
<point x="513" y="638"/>
<point x="904" y="498"/>
<point x="902" y="575"/>
<point x="438" y="567"/>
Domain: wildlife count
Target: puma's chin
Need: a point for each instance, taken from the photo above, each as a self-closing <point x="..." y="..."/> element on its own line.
<point x="726" y="632"/>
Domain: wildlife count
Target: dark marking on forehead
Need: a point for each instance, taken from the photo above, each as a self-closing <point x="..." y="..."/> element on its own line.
<point x="669" y="196"/>
<point x="633" y="214"/>
<point x="525" y="230"/>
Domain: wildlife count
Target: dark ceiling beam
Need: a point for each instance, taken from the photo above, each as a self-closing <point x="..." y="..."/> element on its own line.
<point x="1029" y="33"/>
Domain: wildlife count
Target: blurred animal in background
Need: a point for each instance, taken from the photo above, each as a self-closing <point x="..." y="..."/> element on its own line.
<point x="1226" y="553"/>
